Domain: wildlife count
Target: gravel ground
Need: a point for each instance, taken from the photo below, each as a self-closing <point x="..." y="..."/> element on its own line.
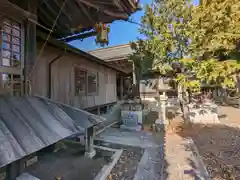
<point x="70" y="164"/>
<point x="218" y="144"/>
<point x="126" y="167"/>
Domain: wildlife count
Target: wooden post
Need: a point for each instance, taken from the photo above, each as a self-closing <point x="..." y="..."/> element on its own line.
<point x="30" y="45"/>
<point x="133" y="73"/>
<point x="89" y="134"/>
<point x="121" y="87"/>
<point x="98" y="110"/>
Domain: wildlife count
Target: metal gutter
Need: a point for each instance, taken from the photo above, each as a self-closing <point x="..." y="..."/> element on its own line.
<point x="50" y="72"/>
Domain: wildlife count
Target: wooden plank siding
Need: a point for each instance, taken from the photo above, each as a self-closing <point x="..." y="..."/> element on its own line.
<point x="62" y="81"/>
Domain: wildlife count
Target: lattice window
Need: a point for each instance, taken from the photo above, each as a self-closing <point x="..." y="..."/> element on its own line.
<point x="86" y="83"/>
<point x="11" y="53"/>
<point x="92" y="81"/>
<point x="12" y="43"/>
<point x="10" y="84"/>
<point x="80" y="81"/>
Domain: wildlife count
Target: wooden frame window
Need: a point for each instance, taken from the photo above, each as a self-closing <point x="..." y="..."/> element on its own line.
<point x="10" y="84"/>
<point x="86" y="82"/>
<point x="92" y="83"/>
<point x="80" y="78"/>
<point x="12" y="40"/>
<point x="11" y="56"/>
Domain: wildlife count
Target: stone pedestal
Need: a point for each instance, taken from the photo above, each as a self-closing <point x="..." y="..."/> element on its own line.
<point x="162" y="110"/>
<point x="161" y="122"/>
<point x="90" y="154"/>
<point x="131" y="116"/>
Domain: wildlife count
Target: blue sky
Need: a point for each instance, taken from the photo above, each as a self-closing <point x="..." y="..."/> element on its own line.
<point x="121" y="32"/>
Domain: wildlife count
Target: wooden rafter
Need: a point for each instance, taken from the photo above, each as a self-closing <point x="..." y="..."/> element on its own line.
<point x="80" y="36"/>
<point x="85" y="12"/>
<point x="10" y="8"/>
<point x="125" y="66"/>
<point x="81" y="15"/>
<point x="114" y="14"/>
<point x="123" y="5"/>
<point x="63" y="11"/>
<point x="53" y="12"/>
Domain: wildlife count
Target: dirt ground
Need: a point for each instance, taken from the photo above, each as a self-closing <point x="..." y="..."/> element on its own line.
<point x="218" y="144"/>
<point x="69" y="164"/>
<point x="126" y="166"/>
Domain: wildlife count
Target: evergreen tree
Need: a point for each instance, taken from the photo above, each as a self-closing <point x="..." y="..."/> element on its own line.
<point x="206" y="34"/>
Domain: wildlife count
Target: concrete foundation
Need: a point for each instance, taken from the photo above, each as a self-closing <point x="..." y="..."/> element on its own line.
<point x="90" y="154"/>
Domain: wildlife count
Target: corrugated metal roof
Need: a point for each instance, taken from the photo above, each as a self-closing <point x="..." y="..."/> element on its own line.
<point x="26" y="176"/>
<point x="28" y="124"/>
<point x="82" y="118"/>
<point x="113" y="52"/>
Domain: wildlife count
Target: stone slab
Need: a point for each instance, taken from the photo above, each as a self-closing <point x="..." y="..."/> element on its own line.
<point x="131" y="128"/>
<point x="26" y="176"/>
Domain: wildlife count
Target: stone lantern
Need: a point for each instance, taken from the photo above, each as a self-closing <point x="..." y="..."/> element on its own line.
<point x="162" y="89"/>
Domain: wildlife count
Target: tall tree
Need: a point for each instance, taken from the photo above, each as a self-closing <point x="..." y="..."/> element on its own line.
<point x="174" y="29"/>
<point x="215" y="34"/>
<point x="215" y="27"/>
<point x="164" y="27"/>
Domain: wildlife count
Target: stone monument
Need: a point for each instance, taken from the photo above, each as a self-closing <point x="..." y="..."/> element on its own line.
<point x="132" y="115"/>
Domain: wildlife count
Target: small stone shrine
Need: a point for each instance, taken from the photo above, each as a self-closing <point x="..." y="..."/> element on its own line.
<point x="132" y="115"/>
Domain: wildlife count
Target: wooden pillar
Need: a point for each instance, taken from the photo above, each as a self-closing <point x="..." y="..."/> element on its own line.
<point x="89" y="134"/>
<point x="30" y="45"/>
<point x="98" y="111"/>
<point x="121" y="87"/>
<point x="133" y="73"/>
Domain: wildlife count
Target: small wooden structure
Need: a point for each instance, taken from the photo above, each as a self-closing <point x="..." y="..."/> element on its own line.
<point x="118" y="57"/>
<point x="25" y="59"/>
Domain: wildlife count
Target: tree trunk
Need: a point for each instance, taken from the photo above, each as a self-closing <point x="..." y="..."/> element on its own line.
<point x="238" y="89"/>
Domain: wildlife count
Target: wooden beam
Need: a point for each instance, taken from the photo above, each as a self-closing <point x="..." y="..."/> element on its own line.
<point x="48" y="22"/>
<point x="80" y="36"/>
<point x="104" y="10"/>
<point x="85" y="12"/>
<point x="63" y="11"/>
<point x="30" y="44"/>
<point x="11" y="9"/>
<point x="10" y="70"/>
<point x="55" y="13"/>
